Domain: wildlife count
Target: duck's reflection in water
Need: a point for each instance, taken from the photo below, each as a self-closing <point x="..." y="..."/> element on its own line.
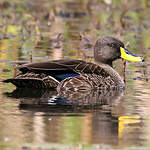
<point x="95" y="99"/>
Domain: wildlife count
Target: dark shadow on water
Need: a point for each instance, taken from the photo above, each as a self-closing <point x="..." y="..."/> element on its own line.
<point x="80" y="101"/>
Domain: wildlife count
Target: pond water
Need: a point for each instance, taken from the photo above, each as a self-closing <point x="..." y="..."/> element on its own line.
<point x="45" y="30"/>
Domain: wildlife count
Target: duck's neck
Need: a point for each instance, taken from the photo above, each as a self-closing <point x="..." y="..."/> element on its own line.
<point x="113" y="73"/>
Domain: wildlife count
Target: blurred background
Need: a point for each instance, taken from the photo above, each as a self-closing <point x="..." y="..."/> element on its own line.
<point x="40" y="30"/>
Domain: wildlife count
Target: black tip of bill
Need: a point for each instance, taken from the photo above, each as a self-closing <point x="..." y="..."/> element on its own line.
<point x="142" y="59"/>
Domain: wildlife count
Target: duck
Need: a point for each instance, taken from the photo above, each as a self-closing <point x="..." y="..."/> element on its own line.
<point x="66" y="74"/>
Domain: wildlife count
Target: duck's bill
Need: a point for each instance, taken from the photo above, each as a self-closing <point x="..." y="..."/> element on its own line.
<point x="125" y="54"/>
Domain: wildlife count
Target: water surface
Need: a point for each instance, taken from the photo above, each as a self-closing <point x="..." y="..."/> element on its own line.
<point x="40" y="31"/>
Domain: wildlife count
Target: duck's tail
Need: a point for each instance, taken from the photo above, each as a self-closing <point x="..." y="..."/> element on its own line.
<point x="32" y="82"/>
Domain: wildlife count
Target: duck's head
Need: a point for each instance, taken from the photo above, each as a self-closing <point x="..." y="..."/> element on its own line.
<point x="108" y="49"/>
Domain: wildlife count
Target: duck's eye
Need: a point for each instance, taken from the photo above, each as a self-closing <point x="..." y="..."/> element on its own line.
<point x="112" y="45"/>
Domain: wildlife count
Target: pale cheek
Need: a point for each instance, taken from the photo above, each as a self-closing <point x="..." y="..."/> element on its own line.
<point x="106" y="52"/>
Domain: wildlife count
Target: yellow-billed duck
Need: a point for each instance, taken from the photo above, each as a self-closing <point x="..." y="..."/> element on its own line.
<point x="77" y="74"/>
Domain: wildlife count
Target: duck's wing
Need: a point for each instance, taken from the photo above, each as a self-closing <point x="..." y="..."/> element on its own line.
<point x="63" y="66"/>
<point x="49" y="74"/>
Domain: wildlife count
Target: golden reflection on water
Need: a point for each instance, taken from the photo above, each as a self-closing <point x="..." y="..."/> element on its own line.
<point x="125" y="124"/>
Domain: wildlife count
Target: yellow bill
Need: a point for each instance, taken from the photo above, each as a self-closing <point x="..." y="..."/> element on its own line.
<point x="125" y="54"/>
